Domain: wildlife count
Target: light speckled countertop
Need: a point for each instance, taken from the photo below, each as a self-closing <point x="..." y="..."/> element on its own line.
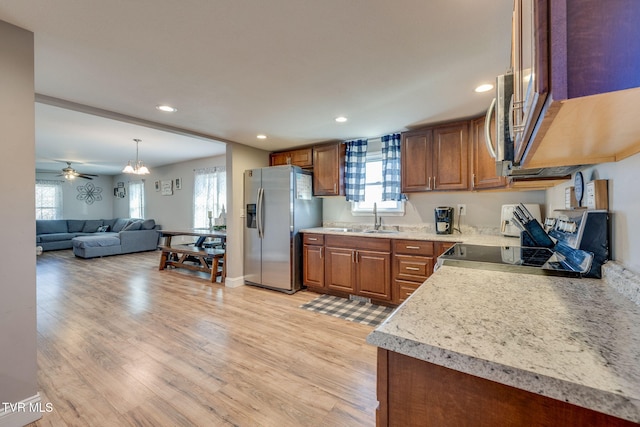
<point x="576" y="340"/>
<point x="470" y="238"/>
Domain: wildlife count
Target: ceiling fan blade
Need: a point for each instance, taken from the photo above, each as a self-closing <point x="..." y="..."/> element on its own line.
<point x="84" y="176"/>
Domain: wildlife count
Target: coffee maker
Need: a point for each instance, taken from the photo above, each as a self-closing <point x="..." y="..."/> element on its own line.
<point x="444" y="220"/>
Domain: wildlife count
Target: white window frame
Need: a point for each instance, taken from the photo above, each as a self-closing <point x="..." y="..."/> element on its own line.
<point x="386" y="208"/>
<point x="53" y="205"/>
<point x="213" y="199"/>
<point x="136" y="199"/>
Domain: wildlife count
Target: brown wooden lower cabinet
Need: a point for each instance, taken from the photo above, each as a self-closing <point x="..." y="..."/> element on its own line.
<point x="412" y="392"/>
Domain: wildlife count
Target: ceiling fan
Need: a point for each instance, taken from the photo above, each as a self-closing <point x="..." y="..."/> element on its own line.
<point x="70" y="173"/>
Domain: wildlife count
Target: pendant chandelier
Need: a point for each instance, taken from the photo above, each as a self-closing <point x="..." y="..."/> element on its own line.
<point x="138" y="168"/>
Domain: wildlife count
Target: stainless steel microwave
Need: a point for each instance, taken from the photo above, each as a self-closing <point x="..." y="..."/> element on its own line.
<point x="503" y="148"/>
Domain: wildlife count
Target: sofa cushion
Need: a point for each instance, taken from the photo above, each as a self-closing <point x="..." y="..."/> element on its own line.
<point x="91" y="225"/>
<point x="46" y="226"/>
<point x="119" y="224"/>
<point x="148" y="224"/>
<point x="75" y="225"/>
<point x="133" y="225"/>
<point x="103" y="229"/>
<point x="96" y="240"/>
<point x="55" y="237"/>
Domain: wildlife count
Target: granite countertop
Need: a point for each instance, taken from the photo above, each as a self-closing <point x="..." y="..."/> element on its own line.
<point x="469" y="238"/>
<point x="576" y="340"/>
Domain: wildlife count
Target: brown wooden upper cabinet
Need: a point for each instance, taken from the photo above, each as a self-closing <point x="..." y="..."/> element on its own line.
<point x="328" y="169"/>
<point x="576" y="76"/>
<point x="302" y="157"/>
<point x="436" y="158"/>
<point x="483" y="166"/>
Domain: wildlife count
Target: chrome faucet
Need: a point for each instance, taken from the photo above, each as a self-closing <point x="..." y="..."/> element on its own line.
<point x="377" y="221"/>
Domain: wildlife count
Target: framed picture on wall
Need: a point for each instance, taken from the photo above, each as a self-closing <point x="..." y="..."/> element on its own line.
<point x="157" y="185"/>
<point x="178" y="183"/>
<point x="167" y="187"/>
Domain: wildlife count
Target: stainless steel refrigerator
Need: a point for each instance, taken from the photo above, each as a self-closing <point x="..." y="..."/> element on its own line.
<point x="279" y="203"/>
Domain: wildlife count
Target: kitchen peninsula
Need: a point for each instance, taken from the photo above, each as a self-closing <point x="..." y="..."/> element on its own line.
<point x="486" y="348"/>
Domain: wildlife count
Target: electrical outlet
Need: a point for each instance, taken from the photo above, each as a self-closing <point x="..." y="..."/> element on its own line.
<point x="462" y="210"/>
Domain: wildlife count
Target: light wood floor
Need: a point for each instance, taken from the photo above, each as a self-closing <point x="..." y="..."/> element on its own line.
<point x="123" y="344"/>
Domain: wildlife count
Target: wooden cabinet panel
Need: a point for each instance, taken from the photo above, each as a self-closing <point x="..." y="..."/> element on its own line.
<point x="413" y="392"/>
<point x="302" y="157"/>
<point x="339" y="269"/>
<point x="451" y="157"/>
<point x="483" y="166"/>
<point x="313" y="266"/>
<point x="328" y="170"/>
<point x="441" y="247"/>
<point x="416" y="169"/>
<point x="436" y="158"/>
<point x="413" y="268"/>
<point x="412" y="247"/>
<point x="373" y="274"/>
<point x="404" y="289"/>
<point x="313" y="239"/>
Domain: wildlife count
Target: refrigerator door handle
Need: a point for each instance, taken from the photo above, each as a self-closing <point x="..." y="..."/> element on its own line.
<point x="259" y="212"/>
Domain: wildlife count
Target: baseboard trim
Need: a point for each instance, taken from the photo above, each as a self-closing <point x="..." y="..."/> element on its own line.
<point x="21" y="413"/>
<point x="232" y="282"/>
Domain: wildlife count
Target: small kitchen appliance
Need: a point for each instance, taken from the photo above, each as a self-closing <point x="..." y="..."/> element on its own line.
<point x="576" y="245"/>
<point x="444" y="220"/>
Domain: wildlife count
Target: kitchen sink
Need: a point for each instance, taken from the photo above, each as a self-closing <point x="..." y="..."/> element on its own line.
<point x="380" y="231"/>
<point x="335" y="229"/>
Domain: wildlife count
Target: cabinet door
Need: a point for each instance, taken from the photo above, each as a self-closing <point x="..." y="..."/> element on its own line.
<point x="483" y="172"/>
<point x="279" y="159"/>
<point x="373" y="274"/>
<point x="451" y="157"/>
<point x="416" y="169"/>
<point x="339" y="269"/>
<point x="302" y="157"/>
<point x="313" y="266"/>
<point x="328" y="170"/>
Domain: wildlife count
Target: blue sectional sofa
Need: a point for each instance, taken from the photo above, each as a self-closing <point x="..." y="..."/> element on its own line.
<point x="98" y="237"/>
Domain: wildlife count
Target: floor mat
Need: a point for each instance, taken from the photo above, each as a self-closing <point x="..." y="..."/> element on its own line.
<point x="355" y="311"/>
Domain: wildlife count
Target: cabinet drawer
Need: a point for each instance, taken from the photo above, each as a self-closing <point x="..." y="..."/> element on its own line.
<point x="413" y="247"/>
<point x="413" y="268"/>
<point x="403" y="289"/>
<point x="358" y="243"/>
<point x="313" y="239"/>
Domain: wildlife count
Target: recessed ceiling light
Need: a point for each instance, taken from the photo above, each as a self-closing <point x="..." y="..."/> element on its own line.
<point x="341" y="119"/>
<point x="261" y="136"/>
<point x="166" y="108"/>
<point x="484" y="88"/>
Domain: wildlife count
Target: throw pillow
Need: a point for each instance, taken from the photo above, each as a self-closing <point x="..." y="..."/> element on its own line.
<point x="148" y="224"/>
<point x="103" y="229"/>
<point x="91" y="225"/>
<point x="135" y="225"/>
<point x="120" y="224"/>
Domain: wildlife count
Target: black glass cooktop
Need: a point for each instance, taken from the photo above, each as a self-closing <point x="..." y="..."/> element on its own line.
<point x="509" y="258"/>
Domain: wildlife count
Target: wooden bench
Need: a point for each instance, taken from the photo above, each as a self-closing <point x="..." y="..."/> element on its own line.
<point x="194" y="258"/>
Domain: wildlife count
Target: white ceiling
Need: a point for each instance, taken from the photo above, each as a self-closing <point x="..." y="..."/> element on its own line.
<point x="234" y="69"/>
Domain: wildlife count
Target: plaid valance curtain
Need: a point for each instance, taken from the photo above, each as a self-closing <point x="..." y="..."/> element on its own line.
<point x="355" y="170"/>
<point x="391" y="168"/>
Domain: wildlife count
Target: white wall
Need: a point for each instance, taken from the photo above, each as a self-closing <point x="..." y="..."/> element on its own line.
<point x="624" y="206"/>
<point x="18" y="369"/>
<point x="72" y="208"/>
<point x="239" y="159"/>
<point x="483" y="208"/>
<point x="174" y="211"/>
